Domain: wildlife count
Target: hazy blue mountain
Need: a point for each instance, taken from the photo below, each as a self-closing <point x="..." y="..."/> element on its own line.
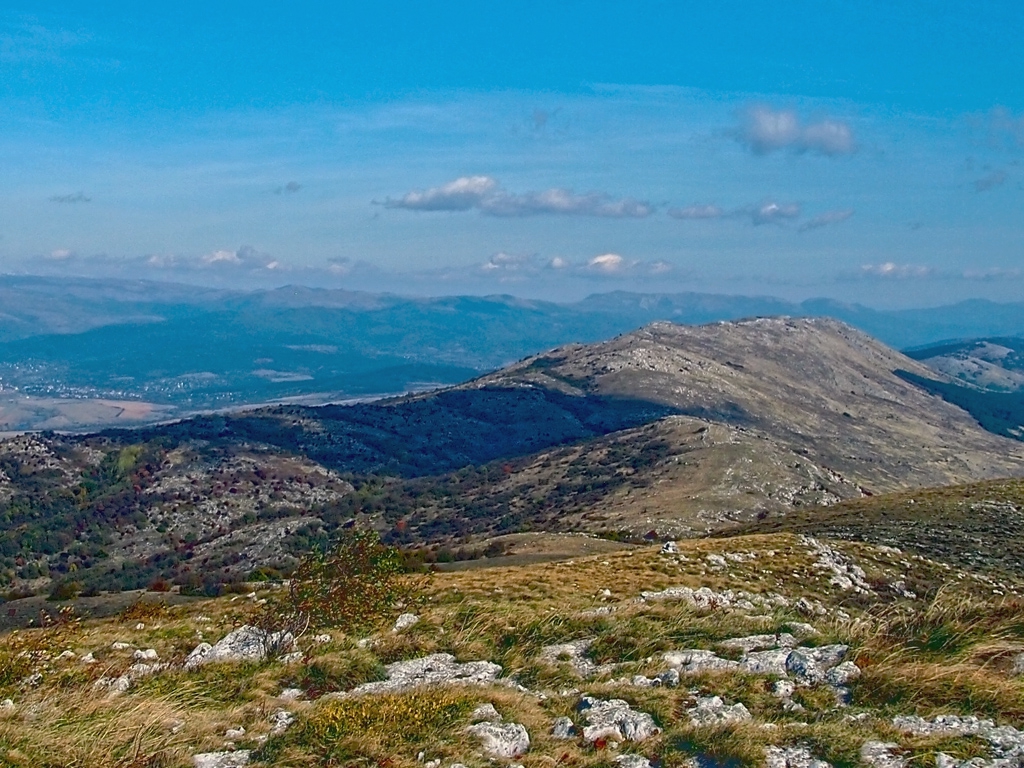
<point x="64" y="343"/>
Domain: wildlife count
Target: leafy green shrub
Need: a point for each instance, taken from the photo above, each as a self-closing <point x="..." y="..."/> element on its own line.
<point x="352" y="586"/>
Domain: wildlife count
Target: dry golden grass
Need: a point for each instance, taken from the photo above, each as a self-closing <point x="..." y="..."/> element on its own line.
<point x="948" y="653"/>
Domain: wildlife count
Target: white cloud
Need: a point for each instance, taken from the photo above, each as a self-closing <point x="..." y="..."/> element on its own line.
<point x="61" y="254"/>
<point x="484" y="194"/>
<point x="765" y="130"/>
<point x="607" y="263"/>
<point x="221" y="257"/>
<point x="510" y="262"/>
<point x="245" y="258"/>
<point x="697" y="212"/>
<point x="827" y="219"/>
<point x="462" y="194"/>
<point x="896" y="271"/>
<point x="990" y="181"/>
<point x="339" y="266"/>
<point x="558" y="263"/>
<point x="770" y="212"/>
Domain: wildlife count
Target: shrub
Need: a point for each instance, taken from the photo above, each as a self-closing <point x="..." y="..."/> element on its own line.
<point x="352" y="586"/>
<point x="64" y="590"/>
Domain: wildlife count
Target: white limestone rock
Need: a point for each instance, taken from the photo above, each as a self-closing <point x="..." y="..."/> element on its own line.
<point x="243" y="644"/>
<point x="281" y="721"/>
<point x="501" y="740"/>
<point x="712" y="710"/>
<point x="881" y="754"/>
<point x="760" y="642"/>
<point x="405" y="621"/>
<point x="485" y="713"/>
<point x="563" y="728"/>
<point x="632" y="761"/>
<point x="792" y="757"/>
<point x="696" y="660"/>
<point x="221" y="759"/>
<point x="436" y="669"/>
<point x="615" y="720"/>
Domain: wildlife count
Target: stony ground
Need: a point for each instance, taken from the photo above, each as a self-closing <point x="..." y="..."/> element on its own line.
<point x="777" y="650"/>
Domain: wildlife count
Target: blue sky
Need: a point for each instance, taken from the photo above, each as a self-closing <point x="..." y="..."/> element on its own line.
<point x="865" y="151"/>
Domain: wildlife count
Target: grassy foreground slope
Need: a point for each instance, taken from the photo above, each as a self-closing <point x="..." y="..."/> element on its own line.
<point x="928" y="639"/>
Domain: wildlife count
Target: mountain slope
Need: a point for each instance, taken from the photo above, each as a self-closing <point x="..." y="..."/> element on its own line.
<point x="666" y="431"/>
<point x="816" y="386"/>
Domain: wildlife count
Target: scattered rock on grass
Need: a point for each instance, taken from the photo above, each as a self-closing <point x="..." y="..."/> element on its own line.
<point x="485" y="713"/>
<point x="712" y="710"/>
<point x="563" y="728"/>
<point x="574" y="653"/>
<point x="221" y="759"/>
<point x="243" y="644"/>
<point x="505" y="740"/>
<point x="881" y="754"/>
<point x="614" y="719"/>
<point x="693" y="661"/>
<point x="436" y="669"/>
<point x="632" y="761"/>
<point x="405" y="621"/>
<point x="1006" y="741"/>
<point x="760" y="642"/>
<point x="281" y="721"/>
<point x="792" y="757"/>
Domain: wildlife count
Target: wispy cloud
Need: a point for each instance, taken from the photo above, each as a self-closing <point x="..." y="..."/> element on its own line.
<point x="826" y="219"/>
<point x="506" y="264"/>
<point x="76" y="197"/>
<point x="1006" y="128"/>
<point x="766" y="212"/>
<point x="484" y="194"/>
<point x="245" y="258"/>
<point x="891" y="270"/>
<point x="764" y="130"/>
<point x="463" y="194"/>
<point x="993" y="274"/>
<point x="513" y="267"/>
<point x="696" y="212"/>
<point x="60" y="254"/>
<point x="27" y="41"/>
<point x="990" y="181"/>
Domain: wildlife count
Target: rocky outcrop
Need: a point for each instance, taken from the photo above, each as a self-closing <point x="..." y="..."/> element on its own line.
<point x="712" y="710"/>
<point x="614" y="720"/>
<point x="436" y="669"/>
<point x="222" y="759"/>
<point x="243" y="644"/>
<point x="501" y="740"/>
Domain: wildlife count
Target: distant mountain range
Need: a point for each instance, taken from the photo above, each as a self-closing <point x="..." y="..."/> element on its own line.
<point x="90" y="353"/>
